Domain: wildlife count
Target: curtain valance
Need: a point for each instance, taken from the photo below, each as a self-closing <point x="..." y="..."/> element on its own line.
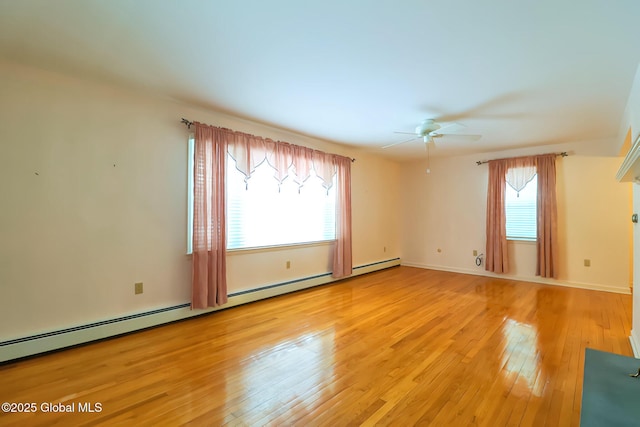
<point x="520" y="170"/>
<point x="249" y="151"/>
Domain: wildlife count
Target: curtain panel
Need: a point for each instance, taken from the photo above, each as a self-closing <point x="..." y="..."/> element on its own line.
<point x="497" y="255"/>
<point x="547" y="206"/>
<point x="209" y="266"/>
<point x="212" y="144"/>
<point x="342" y="259"/>
<point x="517" y="172"/>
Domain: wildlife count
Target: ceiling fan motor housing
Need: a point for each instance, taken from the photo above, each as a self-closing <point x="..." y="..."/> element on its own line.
<point x="426" y="127"/>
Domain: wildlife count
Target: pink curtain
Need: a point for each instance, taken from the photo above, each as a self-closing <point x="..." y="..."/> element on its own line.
<point x="547" y="236"/>
<point x="304" y="164"/>
<point x="209" y="280"/>
<point x="212" y="144"/>
<point x="248" y="151"/>
<point x="342" y="259"/>
<point x="497" y="257"/>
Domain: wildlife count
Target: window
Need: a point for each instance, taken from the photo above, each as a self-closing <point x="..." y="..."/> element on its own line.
<point x="262" y="213"/>
<point x="521" y="211"/>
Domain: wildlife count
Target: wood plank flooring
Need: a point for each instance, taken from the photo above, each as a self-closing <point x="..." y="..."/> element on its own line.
<point x="399" y="347"/>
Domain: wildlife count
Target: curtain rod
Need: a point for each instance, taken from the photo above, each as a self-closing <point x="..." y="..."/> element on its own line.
<point x="188" y="124"/>
<point x="563" y="154"/>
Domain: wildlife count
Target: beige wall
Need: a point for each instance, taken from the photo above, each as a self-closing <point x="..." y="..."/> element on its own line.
<point x="93" y="182"/>
<point x="445" y="211"/>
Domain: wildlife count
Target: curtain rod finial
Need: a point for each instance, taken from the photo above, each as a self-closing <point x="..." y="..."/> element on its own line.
<point x="186" y="122"/>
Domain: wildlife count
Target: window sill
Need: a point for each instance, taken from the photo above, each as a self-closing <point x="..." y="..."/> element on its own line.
<point x="273" y="248"/>
<point x="242" y="251"/>
<point x="521" y="240"/>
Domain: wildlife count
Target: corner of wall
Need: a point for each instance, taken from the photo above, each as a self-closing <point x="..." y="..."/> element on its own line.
<point x="634" y="339"/>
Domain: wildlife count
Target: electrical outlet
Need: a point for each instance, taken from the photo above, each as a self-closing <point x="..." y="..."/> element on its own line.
<point x="475" y="252"/>
<point x="587" y="263"/>
<point x="138" y="288"/>
<point x="384" y="249"/>
<point x="288" y="265"/>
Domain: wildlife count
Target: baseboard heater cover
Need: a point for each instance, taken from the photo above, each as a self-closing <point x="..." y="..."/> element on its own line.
<point x="48" y="341"/>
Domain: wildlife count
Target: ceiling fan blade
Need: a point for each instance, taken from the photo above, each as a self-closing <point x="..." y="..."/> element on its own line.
<point x="490" y="108"/>
<point x="459" y="136"/>
<point x="452" y="126"/>
<point x="405" y="133"/>
<point x="398" y="143"/>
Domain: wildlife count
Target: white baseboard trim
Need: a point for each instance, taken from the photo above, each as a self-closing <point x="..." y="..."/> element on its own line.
<point x="635" y="344"/>
<point x="54" y="340"/>
<point x="480" y="271"/>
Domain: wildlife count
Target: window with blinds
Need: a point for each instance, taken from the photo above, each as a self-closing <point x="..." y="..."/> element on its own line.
<point x="262" y="213"/>
<point x="521" y="211"/>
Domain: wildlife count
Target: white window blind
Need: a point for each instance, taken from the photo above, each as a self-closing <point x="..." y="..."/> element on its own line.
<point x="521" y="211"/>
<point x="261" y="213"/>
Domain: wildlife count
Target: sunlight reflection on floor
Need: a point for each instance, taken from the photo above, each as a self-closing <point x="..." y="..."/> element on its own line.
<point x="290" y="373"/>
<point x="521" y="356"/>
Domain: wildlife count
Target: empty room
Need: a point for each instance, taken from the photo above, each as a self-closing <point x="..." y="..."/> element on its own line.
<point x="254" y="213"/>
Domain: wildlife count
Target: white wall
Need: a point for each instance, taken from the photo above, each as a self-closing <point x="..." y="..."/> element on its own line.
<point x="444" y="219"/>
<point x="93" y="185"/>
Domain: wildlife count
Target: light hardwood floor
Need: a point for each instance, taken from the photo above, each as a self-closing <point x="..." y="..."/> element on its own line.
<point x="399" y="347"/>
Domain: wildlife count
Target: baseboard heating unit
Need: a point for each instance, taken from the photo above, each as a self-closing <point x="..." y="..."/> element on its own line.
<point x="67" y="337"/>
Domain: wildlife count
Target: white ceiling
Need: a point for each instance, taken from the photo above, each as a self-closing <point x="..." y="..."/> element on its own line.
<point x="354" y="71"/>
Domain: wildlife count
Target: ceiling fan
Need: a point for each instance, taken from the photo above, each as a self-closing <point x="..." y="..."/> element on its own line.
<point x="430" y="129"/>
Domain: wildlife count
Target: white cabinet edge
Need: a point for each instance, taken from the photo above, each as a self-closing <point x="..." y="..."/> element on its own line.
<point x="630" y="169"/>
